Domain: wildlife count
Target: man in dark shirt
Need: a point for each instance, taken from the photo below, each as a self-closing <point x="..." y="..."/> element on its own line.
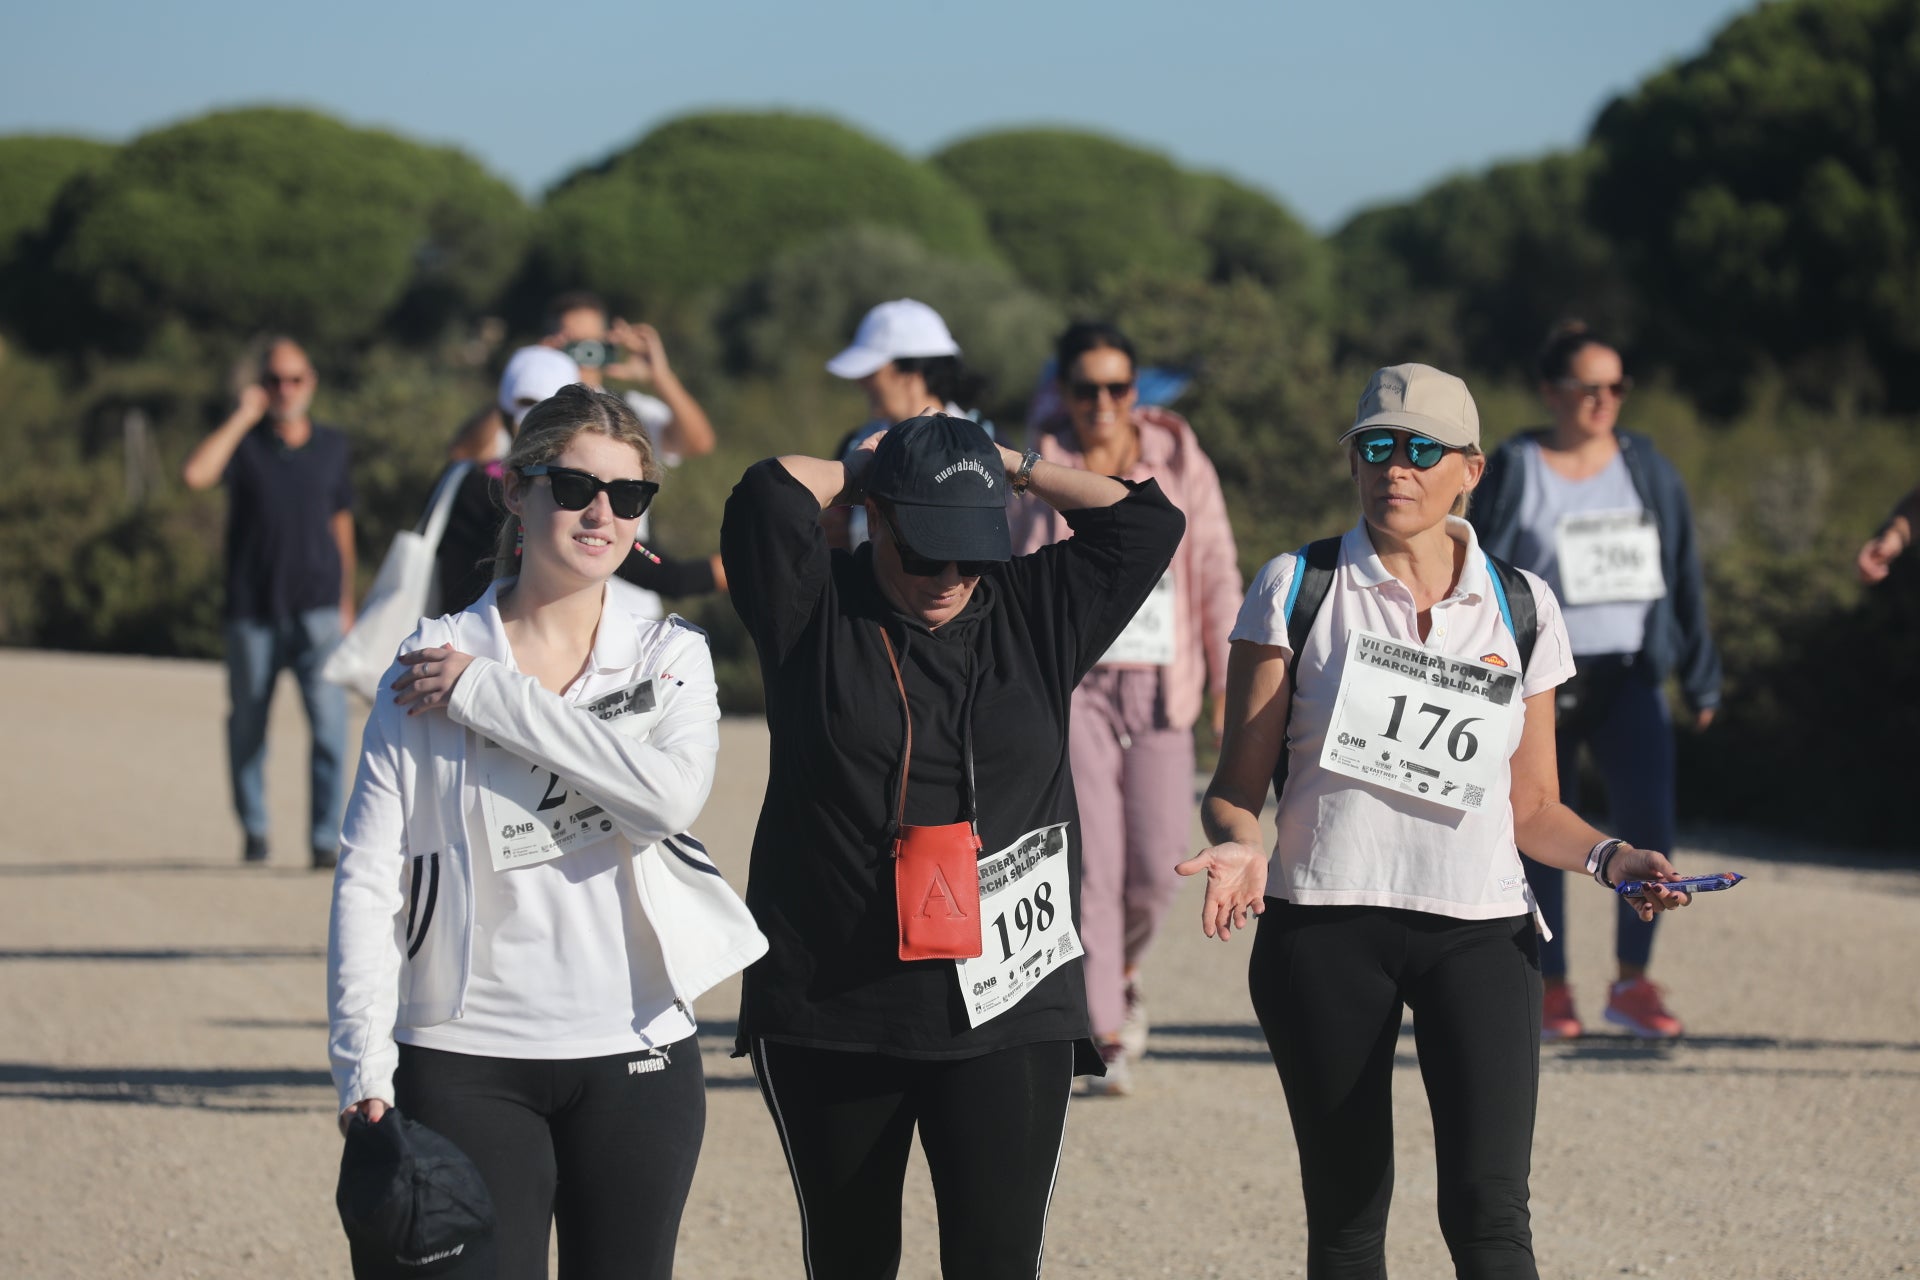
<point x="289" y="580"/>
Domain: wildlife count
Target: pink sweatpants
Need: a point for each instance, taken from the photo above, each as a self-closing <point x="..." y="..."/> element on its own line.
<point x="1134" y="780"/>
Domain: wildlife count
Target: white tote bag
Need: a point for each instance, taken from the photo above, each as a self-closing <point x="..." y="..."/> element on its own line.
<point x="399" y="597"/>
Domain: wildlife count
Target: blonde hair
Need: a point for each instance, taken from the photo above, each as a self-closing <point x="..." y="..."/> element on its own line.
<point x="1466" y="495"/>
<point x="550" y="427"/>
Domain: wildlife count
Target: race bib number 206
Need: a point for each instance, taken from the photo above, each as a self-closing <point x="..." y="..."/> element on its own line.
<point x="1423" y="723"/>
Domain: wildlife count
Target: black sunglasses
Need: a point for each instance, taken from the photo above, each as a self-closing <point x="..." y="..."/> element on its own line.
<point x="1422" y="452"/>
<point x="574" y="490"/>
<point x="1091" y="390"/>
<point x="919" y="566"/>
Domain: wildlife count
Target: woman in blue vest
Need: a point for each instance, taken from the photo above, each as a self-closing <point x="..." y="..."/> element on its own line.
<point x="1599" y="514"/>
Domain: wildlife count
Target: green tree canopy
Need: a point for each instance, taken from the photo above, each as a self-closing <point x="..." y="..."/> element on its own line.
<point x="707" y="200"/>
<point x="1074" y="210"/>
<point x="258" y="218"/>
<point x="33" y="168"/>
<point x="1769" y="192"/>
<point x="1471" y="273"/>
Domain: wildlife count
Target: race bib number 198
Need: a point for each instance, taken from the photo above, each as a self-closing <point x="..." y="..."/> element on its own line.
<point x="1424" y="723"/>
<point x="1026" y="923"/>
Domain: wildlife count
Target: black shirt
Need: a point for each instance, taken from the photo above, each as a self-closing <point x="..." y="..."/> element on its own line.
<point x="281" y="556"/>
<point x="821" y="883"/>
<point x="465" y="555"/>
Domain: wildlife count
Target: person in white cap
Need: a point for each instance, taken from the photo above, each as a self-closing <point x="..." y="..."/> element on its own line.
<point x="463" y="560"/>
<point x="906" y="360"/>
<point x="1396" y="686"/>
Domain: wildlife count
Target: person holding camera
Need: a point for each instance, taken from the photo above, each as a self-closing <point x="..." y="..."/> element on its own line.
<point x="290" y="587"/>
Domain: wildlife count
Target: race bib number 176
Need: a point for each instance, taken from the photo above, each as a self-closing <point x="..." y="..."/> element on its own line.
<point x="1423" y="723"/>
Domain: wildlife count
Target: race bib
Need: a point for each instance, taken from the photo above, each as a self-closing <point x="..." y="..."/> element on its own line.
<point x="531" y="813"/>
<point x="1148" y="639"/>
<point x="1026" y="921"/>
<point x="1427" y="724"/>
<point x="1609" y="557"/>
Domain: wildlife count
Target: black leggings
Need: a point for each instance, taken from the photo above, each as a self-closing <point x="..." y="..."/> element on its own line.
<point x="1328" y="984"/>
<point x="992" y="1127"/>
<point x="600" y="1147"/>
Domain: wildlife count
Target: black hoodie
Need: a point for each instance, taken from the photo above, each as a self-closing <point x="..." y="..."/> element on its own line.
<point x="821" y="883"/>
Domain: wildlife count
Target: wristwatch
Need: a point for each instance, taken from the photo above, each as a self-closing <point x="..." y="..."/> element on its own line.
<point x="1025" y="473"/>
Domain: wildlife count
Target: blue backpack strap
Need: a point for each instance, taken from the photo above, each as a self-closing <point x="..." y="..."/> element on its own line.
<point x="1515" y="598"/>
<point x="1312" y="580"/>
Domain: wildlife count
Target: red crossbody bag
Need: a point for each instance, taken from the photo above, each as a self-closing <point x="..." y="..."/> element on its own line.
<point x="936" y="870"/>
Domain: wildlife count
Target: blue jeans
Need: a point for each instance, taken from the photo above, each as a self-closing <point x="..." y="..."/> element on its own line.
<point x="1621" y="716"/>
<point x="256" y="654"/>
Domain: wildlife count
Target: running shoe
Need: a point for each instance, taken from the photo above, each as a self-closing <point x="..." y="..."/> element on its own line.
<point x="255" y="852"/>
<point x="1558" y="1021"/>
<point x="1133" y="1028"/>
<point x="1636" y="1005"/>
<point x="1118" y="1082"/>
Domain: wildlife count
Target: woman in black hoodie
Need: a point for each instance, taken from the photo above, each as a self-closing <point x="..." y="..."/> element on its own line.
<point x="917" y="858"/>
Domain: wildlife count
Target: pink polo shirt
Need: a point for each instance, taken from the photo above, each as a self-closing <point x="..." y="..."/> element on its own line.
<point x="1343" y="842"/>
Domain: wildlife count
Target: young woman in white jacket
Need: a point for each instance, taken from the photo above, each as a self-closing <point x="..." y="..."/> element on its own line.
<point x="520" y="922"/>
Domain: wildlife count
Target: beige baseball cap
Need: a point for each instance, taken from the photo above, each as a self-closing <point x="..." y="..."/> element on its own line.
<point x="1421" y="399"/>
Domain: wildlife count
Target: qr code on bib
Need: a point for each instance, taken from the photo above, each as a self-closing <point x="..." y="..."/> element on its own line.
<point x="1473" y="796"/>
<point x="1068" y="945"/>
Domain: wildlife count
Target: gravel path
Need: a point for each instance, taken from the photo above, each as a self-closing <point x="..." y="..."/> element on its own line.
<point x="167" y="1110"/>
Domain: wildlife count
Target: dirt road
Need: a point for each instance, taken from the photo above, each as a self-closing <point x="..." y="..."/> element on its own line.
<point x="167" y="1112"/>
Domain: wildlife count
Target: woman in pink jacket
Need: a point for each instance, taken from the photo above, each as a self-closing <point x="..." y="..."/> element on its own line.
<point x="1131" y="738"/>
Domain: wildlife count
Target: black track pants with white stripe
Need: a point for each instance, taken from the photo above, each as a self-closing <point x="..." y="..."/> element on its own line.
<point x="991" y="1127"/>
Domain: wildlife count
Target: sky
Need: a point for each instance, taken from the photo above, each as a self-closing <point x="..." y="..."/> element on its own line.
<point x="1332" y="106"/>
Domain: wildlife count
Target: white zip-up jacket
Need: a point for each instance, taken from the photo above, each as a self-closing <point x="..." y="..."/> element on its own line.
<point x="400" y="943"/>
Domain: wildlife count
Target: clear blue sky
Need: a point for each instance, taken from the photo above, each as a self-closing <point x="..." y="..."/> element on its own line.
<point x="1332" y="106"/>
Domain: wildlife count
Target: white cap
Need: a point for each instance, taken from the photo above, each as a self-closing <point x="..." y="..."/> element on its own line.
<point x="533" y="374"/>
<point x="892" y="331"/>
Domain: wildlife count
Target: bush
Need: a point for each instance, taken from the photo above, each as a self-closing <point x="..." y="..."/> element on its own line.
<point x="705" y="201"/>
<point x="269" y="219"/>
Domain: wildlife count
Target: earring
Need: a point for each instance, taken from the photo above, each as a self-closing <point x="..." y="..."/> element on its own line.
<point x="641" y="547"/>
<point x="519" y="540"/>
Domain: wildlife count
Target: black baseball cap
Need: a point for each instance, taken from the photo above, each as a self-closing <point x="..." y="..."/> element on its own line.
<point x="411" y="1202"/>
<point x="943" y="480"/>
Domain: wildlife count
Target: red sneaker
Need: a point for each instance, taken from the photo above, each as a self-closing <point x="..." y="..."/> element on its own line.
<point x="1637" y="1006"/>
<point x="1558" y="1021"/>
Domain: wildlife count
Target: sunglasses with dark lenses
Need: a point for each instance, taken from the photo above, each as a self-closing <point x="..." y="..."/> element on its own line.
<point x="574" y="490"/>
<point x="283" y="379"/>
<point x="919" y="566"/>
<point x="1422" y="452"/>
<point x="1594" y="390"/>
<point x="1091" y="390"/>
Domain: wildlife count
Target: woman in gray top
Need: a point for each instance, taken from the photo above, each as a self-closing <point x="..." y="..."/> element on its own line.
<point x="1600" y="515"/>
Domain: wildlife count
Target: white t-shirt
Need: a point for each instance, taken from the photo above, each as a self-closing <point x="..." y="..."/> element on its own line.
<point x="1343" y="842"/>
<point x="564" y="963"/>
<point x="656" y="415"/>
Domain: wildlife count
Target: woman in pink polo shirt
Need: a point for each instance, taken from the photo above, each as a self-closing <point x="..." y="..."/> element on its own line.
<point x="1396" y="685"/>
<point x="1133" y="716"/>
